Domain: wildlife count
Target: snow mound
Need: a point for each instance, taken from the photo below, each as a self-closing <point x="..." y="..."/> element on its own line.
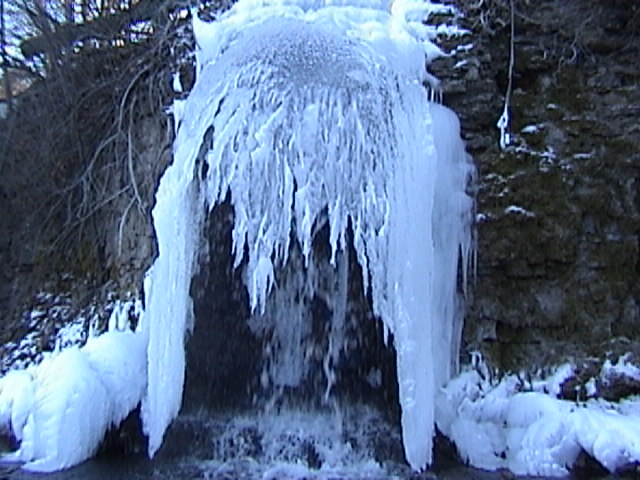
<point x="497" y="426"/>
<point x="119" y="359"/>
<point x="16" y="400"/>
<point x="60" y="410"/>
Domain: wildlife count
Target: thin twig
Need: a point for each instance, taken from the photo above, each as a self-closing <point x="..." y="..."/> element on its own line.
<point x="132" y="174"/>
<point x="122" y="223"/>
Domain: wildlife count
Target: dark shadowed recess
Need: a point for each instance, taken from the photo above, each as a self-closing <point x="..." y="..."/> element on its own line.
<point x="224" y="357"/>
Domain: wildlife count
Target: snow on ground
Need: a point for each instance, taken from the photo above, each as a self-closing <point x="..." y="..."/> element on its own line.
<point x="622" y="368"/>
<point x="524" y="427"/>
<point x="53" y="323"/>
<point x="517" y="210"/>
<point x="59" y="410"/>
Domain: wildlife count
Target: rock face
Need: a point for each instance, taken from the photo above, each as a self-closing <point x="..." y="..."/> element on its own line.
<point x="559" y="209"/>
<point x="80" y="158"/>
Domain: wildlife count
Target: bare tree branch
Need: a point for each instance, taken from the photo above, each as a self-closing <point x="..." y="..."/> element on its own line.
<point x="102" y="27"/>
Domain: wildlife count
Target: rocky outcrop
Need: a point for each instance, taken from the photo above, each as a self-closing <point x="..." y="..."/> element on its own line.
<point x="558" y="209"/>
<point x="80" y="158"/>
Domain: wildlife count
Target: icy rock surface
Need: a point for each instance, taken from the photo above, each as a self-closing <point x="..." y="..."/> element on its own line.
<point x="313" y="108"/>
<point x="60" y="409"/>
<point x="523" y="427"/>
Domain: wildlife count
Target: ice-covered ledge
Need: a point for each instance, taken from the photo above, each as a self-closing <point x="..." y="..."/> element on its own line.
<point x="59" y="409"/>
<point x="523" y="424"/>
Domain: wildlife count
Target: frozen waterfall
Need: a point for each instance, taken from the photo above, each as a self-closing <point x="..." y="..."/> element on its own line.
<point x="301" y="108"/>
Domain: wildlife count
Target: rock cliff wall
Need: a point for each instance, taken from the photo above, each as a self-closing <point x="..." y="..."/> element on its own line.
<point x="559" y="209"/>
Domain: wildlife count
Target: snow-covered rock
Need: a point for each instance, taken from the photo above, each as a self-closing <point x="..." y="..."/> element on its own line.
<point x="61" y="409"/>
<point x="497" y="426"/>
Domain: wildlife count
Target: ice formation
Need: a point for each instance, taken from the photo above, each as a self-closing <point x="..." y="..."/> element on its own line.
<point x="316" y="107"/>
<point x="60" y="409"/>
<point x="525" y="428"/>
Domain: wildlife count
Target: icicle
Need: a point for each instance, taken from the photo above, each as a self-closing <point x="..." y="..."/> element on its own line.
<point x="339" y="313"/>
<point x="503" y="126"/>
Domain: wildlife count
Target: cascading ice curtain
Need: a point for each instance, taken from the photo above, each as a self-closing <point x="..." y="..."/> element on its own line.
<point x="317" y="107"/>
